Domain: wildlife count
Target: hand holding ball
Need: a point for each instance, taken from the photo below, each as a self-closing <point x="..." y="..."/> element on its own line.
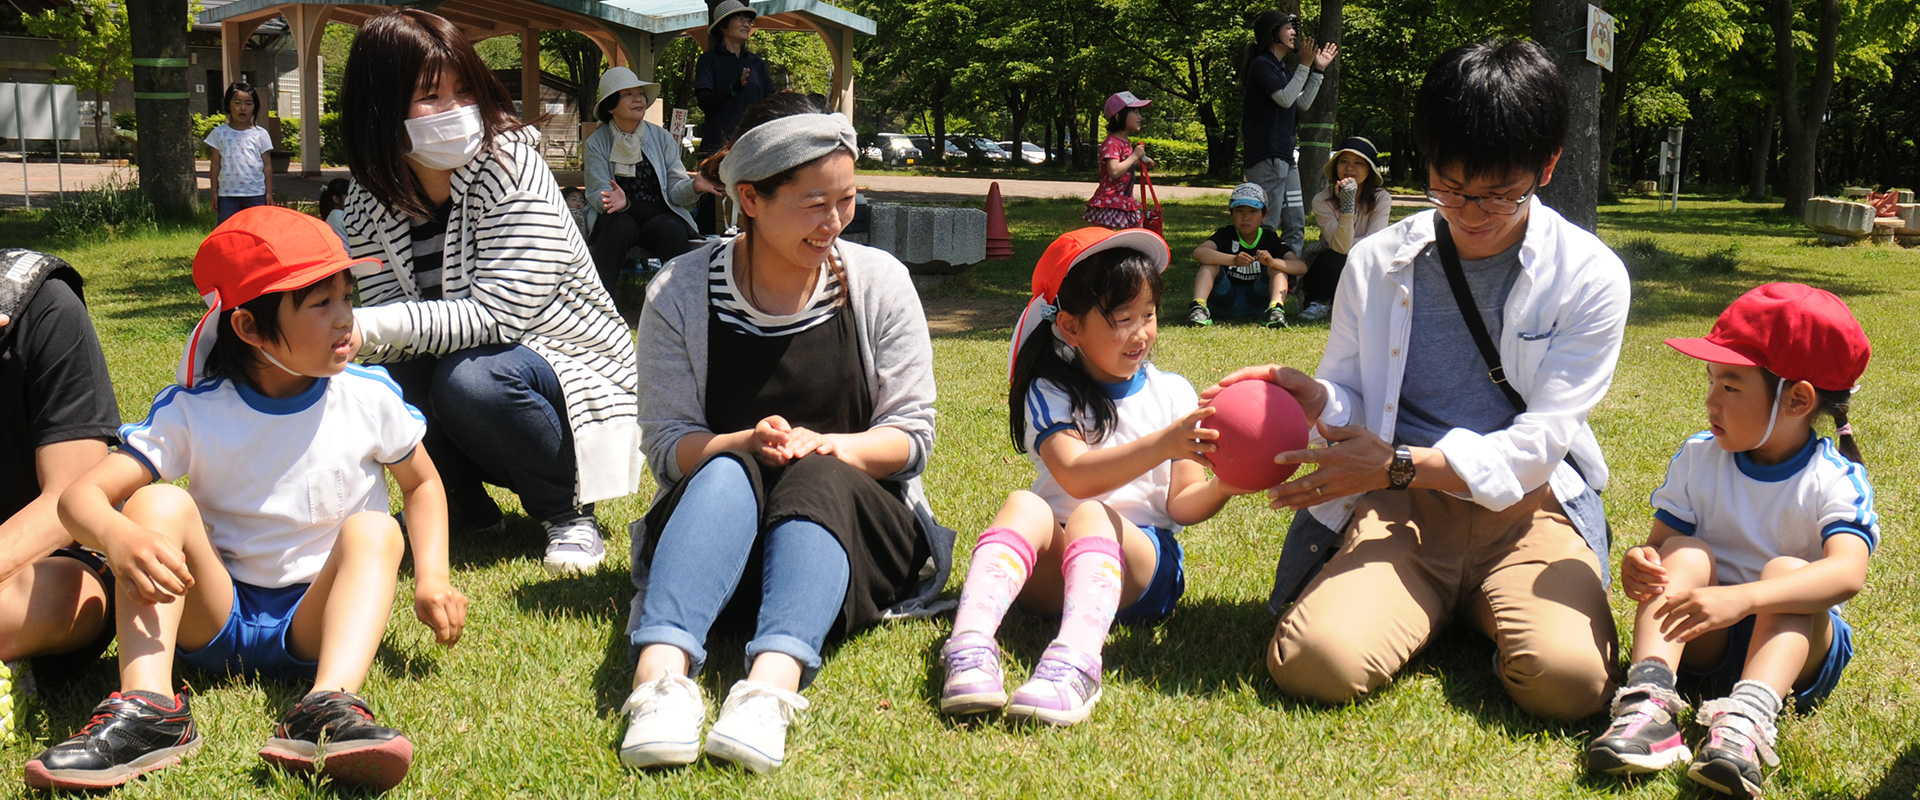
<point x="1257" y="421"/>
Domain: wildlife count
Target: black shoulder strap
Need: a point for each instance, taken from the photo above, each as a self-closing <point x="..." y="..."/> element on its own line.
<point x="1470" y="313"/>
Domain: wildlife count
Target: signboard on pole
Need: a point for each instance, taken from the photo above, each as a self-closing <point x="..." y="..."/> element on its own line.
<point x="39" y="111"/>
<point x="679" y="124"/>
<point x="1600" y="37"/>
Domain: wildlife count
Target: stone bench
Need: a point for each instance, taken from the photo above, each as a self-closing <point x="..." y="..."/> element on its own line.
<point x="1839" y="221"/>
<point x="1909" y="232"/>
<point x="933" y="241"/>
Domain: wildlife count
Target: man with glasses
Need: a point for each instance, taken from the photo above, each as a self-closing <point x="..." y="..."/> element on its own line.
<point x="1460" y="479"/>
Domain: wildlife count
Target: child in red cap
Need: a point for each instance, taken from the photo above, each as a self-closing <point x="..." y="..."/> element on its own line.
<point x="1116" y="448"/>
<point x="280" y="557"/>
<point x="1761" y="532"/>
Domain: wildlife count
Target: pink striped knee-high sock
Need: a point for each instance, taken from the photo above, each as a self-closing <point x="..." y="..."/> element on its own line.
<point x="1092" y="567"/>
<point x="1002" y="560"/>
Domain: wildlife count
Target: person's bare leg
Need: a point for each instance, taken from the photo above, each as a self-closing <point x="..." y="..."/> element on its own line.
<point x="1203" y="281"/>
<point x="55" y="605"/>
<point x="149" y="634"/>
<point x="344" y="614"/>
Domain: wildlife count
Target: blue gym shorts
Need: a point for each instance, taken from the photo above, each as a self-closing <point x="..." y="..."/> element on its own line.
<point x="1168" y="584"/>
<point x="1718" y="681"/>
<point x="254" y="639"/>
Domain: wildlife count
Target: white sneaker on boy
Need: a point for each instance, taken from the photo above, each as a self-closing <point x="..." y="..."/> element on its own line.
<point x="663" y="723"/>
<point x="752" y="728"/>
<point x="574" y="547"/>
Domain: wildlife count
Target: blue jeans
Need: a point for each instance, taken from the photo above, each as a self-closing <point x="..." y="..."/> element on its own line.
<point x="496" y="413"/>
<point x="703" y="553"/>
<point x="224" y="207"/>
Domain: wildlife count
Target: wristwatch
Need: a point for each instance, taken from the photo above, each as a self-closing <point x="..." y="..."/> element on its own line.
<point x="1400" y="471"/>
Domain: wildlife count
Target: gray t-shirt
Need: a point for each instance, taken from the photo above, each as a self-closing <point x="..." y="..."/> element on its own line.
<point x="1446" y="384"/>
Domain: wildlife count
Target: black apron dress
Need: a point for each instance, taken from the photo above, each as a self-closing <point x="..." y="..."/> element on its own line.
<point x="814" y="379"/>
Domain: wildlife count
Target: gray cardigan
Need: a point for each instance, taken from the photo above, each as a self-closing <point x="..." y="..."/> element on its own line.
<point x="895" y="352"/>
<point x="662" y="151"/>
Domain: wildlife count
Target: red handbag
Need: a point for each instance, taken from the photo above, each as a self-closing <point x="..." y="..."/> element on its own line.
<point x="1150" y="218"/>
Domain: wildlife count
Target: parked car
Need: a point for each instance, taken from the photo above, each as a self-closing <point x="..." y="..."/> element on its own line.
<point x="984" y="147"/>
<point x="1029" y="152"/>
<point x="892" y="149"/>
<point x="953" y="149"/>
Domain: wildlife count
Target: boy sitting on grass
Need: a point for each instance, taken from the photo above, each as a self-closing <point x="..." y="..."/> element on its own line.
<point x="1244" y="249"/>
<point x="280" y="557"/>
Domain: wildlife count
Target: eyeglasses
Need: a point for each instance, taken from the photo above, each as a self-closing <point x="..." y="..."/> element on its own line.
<point x="1499" y="206"/>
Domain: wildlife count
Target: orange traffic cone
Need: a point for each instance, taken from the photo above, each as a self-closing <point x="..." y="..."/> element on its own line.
<point x="999" y="242"/>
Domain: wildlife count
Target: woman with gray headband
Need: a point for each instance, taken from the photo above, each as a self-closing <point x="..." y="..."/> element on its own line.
<point x="788" y="414"/>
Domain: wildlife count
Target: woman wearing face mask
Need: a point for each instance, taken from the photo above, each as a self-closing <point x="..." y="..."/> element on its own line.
<point x="485" y="308"/>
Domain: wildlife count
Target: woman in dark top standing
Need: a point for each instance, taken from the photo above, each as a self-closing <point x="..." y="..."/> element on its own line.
<point x="788" y="411"/>
<point x="727" y="80"/>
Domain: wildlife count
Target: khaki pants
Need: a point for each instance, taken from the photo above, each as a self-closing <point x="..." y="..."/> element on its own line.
<point x="1413" y="561"/>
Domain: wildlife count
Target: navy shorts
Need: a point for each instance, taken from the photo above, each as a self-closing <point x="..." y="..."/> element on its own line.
<point x="1719" y="681"/>
<point x="254" y="639"/>
<point x="1168" y="584"/>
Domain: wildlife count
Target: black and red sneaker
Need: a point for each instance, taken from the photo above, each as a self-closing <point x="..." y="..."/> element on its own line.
<point x="131" y="733"/>
<point x="335" y="733"/>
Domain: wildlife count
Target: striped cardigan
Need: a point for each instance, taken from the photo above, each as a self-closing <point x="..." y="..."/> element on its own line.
<point x="516" y="271"/>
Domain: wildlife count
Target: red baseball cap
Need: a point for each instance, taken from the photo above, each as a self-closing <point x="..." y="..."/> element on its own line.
<point x="257" y="251"/>
<point x="1791" y="330"/>
<point x="1071" y="248"/>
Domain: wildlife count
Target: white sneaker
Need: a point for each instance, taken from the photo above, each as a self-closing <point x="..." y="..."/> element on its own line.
<point x="574" y="547"/>
<point x="1315" y="312"/>
<point x="752" y="728"/>
<point x="663" y="723"/>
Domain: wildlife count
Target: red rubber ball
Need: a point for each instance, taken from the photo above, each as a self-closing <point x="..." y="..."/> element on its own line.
<point x="1257" y="421"/>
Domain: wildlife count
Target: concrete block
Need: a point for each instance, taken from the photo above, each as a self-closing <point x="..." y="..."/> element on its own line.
<point x="1910" y="217"/>
<point x="1839" y="217"/>
<point x="930" y="239"/>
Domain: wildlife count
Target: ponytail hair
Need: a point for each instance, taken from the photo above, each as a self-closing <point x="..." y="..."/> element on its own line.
<point x="1102" y="282"/>
<point x="1837" y="403"/>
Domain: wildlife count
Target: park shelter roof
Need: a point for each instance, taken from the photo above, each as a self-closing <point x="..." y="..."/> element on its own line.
<point x="629" y="32"/>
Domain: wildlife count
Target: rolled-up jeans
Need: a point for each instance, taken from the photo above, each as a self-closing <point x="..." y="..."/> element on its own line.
<point x="496" y="413"/>
<point x="1284" y="211"/>
<point x="703" y="553"/>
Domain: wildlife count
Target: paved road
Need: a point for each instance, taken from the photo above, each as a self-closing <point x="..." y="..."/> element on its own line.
<point x="46" y="178"/>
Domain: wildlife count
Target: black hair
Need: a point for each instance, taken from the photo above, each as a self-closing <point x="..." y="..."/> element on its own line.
<point x="392" y="55"/>
<point x="333" y="195"/>
<point x="1835" y="403"/>
<point x="776" y="106"/>
<point x="1118" y="122"/>
<point x="231" y="356"/>
<point x="1490" y="108"/>
<point x="226" y="101"/>
<point x="1103" y="282"/>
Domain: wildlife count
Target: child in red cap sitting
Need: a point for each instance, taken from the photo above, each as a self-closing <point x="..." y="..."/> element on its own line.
<point x="1761" y="532"/>
<point x="280" y="557"/>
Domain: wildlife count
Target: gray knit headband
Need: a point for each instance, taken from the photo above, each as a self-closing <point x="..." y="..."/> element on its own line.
<point x="782" y="144"/>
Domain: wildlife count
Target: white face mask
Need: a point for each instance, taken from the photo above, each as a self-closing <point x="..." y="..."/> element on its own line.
<point x="447" y="140"/>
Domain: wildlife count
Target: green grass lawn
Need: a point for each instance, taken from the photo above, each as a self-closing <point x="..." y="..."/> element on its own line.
<point x="528" y="704"/>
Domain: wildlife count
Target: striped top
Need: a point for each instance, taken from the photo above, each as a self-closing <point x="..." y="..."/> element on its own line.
<point x="429" y="239"/>
<point x="730" y="303"/>
<point x="515" y="270"/>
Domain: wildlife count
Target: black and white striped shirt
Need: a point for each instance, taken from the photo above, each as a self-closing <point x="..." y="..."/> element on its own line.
<point x="731" y="305"/>
<point x="515" y="270"/>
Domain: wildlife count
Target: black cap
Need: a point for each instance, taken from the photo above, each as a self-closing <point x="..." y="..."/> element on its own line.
<point x="1268" y="20"/>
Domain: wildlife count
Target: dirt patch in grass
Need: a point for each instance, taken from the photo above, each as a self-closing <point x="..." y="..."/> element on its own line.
<point x="947" y="316"/>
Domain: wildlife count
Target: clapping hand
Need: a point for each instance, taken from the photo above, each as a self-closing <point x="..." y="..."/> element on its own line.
<point x="1323" y="56"/>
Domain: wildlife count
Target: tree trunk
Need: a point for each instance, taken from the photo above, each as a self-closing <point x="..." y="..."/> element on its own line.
<point x="1761" y="156"/>
<point x="1800" y="125"/>
<point x="1575" y="190"/>
<point x="1319" y="123"/>
<point x="159" y="36"/>
<point x="941" y="86"/>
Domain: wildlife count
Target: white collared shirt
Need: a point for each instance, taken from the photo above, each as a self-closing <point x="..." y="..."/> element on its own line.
<point x="1558" y="342"/>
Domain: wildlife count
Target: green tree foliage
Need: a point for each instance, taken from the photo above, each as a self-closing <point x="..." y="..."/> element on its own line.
<point x="101" y="48"/>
